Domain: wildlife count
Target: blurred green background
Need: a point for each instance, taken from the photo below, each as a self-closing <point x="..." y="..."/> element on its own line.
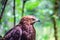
<point x="42" y="9"/>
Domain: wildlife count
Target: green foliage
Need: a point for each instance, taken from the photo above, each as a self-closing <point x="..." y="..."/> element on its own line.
<point x="31" y="5"/>
<point x="42" y="9"/>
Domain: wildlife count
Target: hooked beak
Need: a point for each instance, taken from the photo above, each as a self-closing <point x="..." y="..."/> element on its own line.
<point x="37" y="20"/>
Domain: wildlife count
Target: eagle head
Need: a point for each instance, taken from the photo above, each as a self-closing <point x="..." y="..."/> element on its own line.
<point x="29" y="20"/>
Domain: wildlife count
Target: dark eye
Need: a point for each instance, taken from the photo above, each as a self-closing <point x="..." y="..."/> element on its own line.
<point x="33" y="19"/>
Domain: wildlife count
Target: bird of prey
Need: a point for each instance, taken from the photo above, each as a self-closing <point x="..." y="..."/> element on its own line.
<point x="24" y="30"/>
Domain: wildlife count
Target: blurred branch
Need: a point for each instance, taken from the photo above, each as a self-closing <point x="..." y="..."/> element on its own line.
<point x="23" y="4"/>
<point x="54" y="19"/>
<point x="3" y="8"/>
<point x="14" y="13"/>
<point x="55" y="28"/>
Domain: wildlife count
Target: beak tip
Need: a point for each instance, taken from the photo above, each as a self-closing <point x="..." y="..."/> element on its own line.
<point x="38" y="21"/>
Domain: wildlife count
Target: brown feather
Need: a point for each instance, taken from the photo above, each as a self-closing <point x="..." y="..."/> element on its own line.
<point x="23" y="31"/>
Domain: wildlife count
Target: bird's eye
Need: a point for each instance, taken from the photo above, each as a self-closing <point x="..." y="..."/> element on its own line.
<point x="33" y="19"/>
